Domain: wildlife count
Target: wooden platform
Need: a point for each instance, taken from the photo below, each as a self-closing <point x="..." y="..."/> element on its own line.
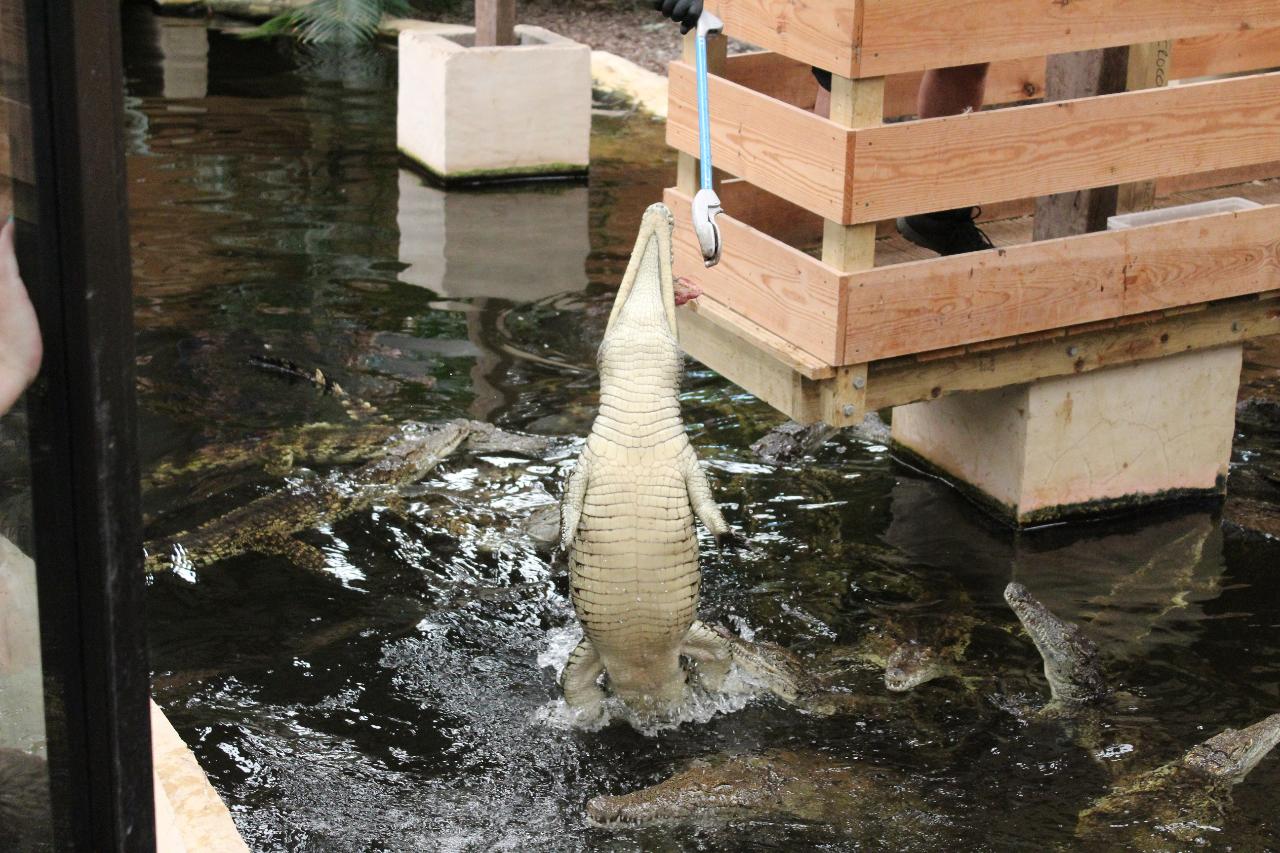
<point x="813" y="313"/>
<point x="797" y="382"/>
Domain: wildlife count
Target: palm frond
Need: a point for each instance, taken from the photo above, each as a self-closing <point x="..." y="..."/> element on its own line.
<point x="329" y="21"/>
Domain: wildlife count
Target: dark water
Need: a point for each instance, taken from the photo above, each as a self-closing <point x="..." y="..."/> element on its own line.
<point x="401" y="703"/>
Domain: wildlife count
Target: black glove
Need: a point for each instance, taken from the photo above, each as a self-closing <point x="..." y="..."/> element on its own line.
<point x="684" y="11"/>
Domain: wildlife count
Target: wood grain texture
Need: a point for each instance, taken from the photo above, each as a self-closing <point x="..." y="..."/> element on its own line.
<point x="785" y="291"/>
<point x="1080" y="75"/>
<point x="743" y="360"/>
<point x="1041" y="149"/>
<point x="1149" y="66"/>
<point x="928" y="305"/>
<point x="913" y="35"/>
<point x="1009" y="81"/>
<point x="495" y="22"/>
<point x="793" y="153"/>
<point x="895" y="382"/>
<point x="1225" y="53"/>
<point x="764" y="211"/>
<point x="817" y="32"/>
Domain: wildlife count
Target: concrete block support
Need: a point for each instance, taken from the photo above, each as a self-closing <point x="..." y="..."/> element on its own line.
<point x="1085" y="444"/>
<point x="473" y="114"/>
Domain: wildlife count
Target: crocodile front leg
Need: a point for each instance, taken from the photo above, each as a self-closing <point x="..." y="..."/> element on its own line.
<point x="575" y="492"/>
<point x="703" y="502"/>
<point x="711" y="653"/>
<point x="580" y="681"/>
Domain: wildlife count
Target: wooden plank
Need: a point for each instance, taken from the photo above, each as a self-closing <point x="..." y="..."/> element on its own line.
<point x="1080" y="75"/>
<point x="787" y="292"/>
<point x="1225" y="53"/>
<point x="913" y="35"/>
<point x="899" y="381"/>
<point x="775" y="75"/>
<point x="980" y="158"/>
<point x="1009" y="81"/>
<point x="495" y="22"/>
<point x="742" y="360"/>
<point x="817" y="32"/>
<point x="764" y="211"/>
<point x="1148" y="69"/>
<point x="925" y="305"/>
<point x="780" y="350"/>
<point x="788" y="151"/>
<point x="1041" y="149"/>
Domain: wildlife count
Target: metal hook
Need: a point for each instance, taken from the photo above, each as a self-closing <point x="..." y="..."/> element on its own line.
<point x="706" y="204"/>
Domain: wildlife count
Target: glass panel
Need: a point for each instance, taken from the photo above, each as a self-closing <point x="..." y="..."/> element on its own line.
<point x="24" y="779"/>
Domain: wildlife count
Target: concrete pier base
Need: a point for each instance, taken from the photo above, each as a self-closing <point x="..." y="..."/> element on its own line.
<point x="1086" y="444"/>
<point x="474" y="114"/>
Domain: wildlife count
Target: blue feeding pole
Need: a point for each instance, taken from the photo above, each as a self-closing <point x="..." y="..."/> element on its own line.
<point x="706" y="204"/>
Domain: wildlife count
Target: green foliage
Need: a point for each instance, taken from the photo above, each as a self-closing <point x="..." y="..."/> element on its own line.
<point x="330" y="21"/>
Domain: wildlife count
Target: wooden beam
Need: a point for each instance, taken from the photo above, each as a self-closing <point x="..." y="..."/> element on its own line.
<point x="913" y="35"/>
<point x="791" y="152"/>
<point x="1225" y="53"/>
<point x="1148" y="69"/>
<point x="871" y="38"/>
<point x="1040" y="149"/>
<point x="1069" y="76"/>
<point x="927" y="305"/>
<point x="782" y="289"/>
<point x="1009" y="81"/>
<point x="495" y="23"/>
<point x="850" y="248"/>
<point x="980" y="158"/>
<point x="899" y="381"/>
<point x="746" y="361"/>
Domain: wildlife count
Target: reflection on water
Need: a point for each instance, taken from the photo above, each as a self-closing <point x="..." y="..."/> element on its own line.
<point x="407" y="706"/>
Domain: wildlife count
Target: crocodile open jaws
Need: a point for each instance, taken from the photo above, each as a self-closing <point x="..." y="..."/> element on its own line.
<point x="628" y="509"/>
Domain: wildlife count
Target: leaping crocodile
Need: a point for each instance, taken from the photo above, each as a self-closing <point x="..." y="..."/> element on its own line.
<point x="1173" y="806"/>
<point x="628" y="510"/>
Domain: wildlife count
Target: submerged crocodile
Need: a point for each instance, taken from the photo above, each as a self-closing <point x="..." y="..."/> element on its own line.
<point x="628" y="509"/>
<point x="857" y="798"/>
<point x="267" y="525"/>
<point x="1174" y="806"/>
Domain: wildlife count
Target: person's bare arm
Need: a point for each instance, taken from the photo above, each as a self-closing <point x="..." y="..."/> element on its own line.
<point x="20" y="347"/>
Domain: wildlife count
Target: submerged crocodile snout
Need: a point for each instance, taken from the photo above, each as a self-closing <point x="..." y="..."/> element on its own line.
<point x="1234" y="753"/>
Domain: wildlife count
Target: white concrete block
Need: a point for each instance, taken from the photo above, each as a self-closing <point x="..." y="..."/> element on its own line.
<point x="487" y="113"/>
<point x="520" y="244"/>
<point x="1077" y="445"/>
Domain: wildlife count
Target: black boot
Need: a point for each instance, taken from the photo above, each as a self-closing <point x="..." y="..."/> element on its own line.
<point x="947" y="232"/>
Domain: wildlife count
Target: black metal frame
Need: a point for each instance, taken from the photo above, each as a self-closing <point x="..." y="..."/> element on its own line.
<point x="74" y="253"/>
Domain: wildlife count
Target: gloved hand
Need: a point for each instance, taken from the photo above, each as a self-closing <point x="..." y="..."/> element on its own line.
<point x="684" y="11"/>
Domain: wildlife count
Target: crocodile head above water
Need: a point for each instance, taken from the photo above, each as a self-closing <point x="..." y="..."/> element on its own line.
<point x="640" y="350"/>
<point x="910" y="665"/>
<point x="1070" y="658"/>
<point x="1234" y="753"/>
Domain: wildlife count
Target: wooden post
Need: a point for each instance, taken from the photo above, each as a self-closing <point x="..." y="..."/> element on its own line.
<point x="1148" y="69"/>
<point x="717" y="50"/>
<point x="851" y="248"/>
<point x="495" y="22"/>
<point x="1080" y="75"/>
